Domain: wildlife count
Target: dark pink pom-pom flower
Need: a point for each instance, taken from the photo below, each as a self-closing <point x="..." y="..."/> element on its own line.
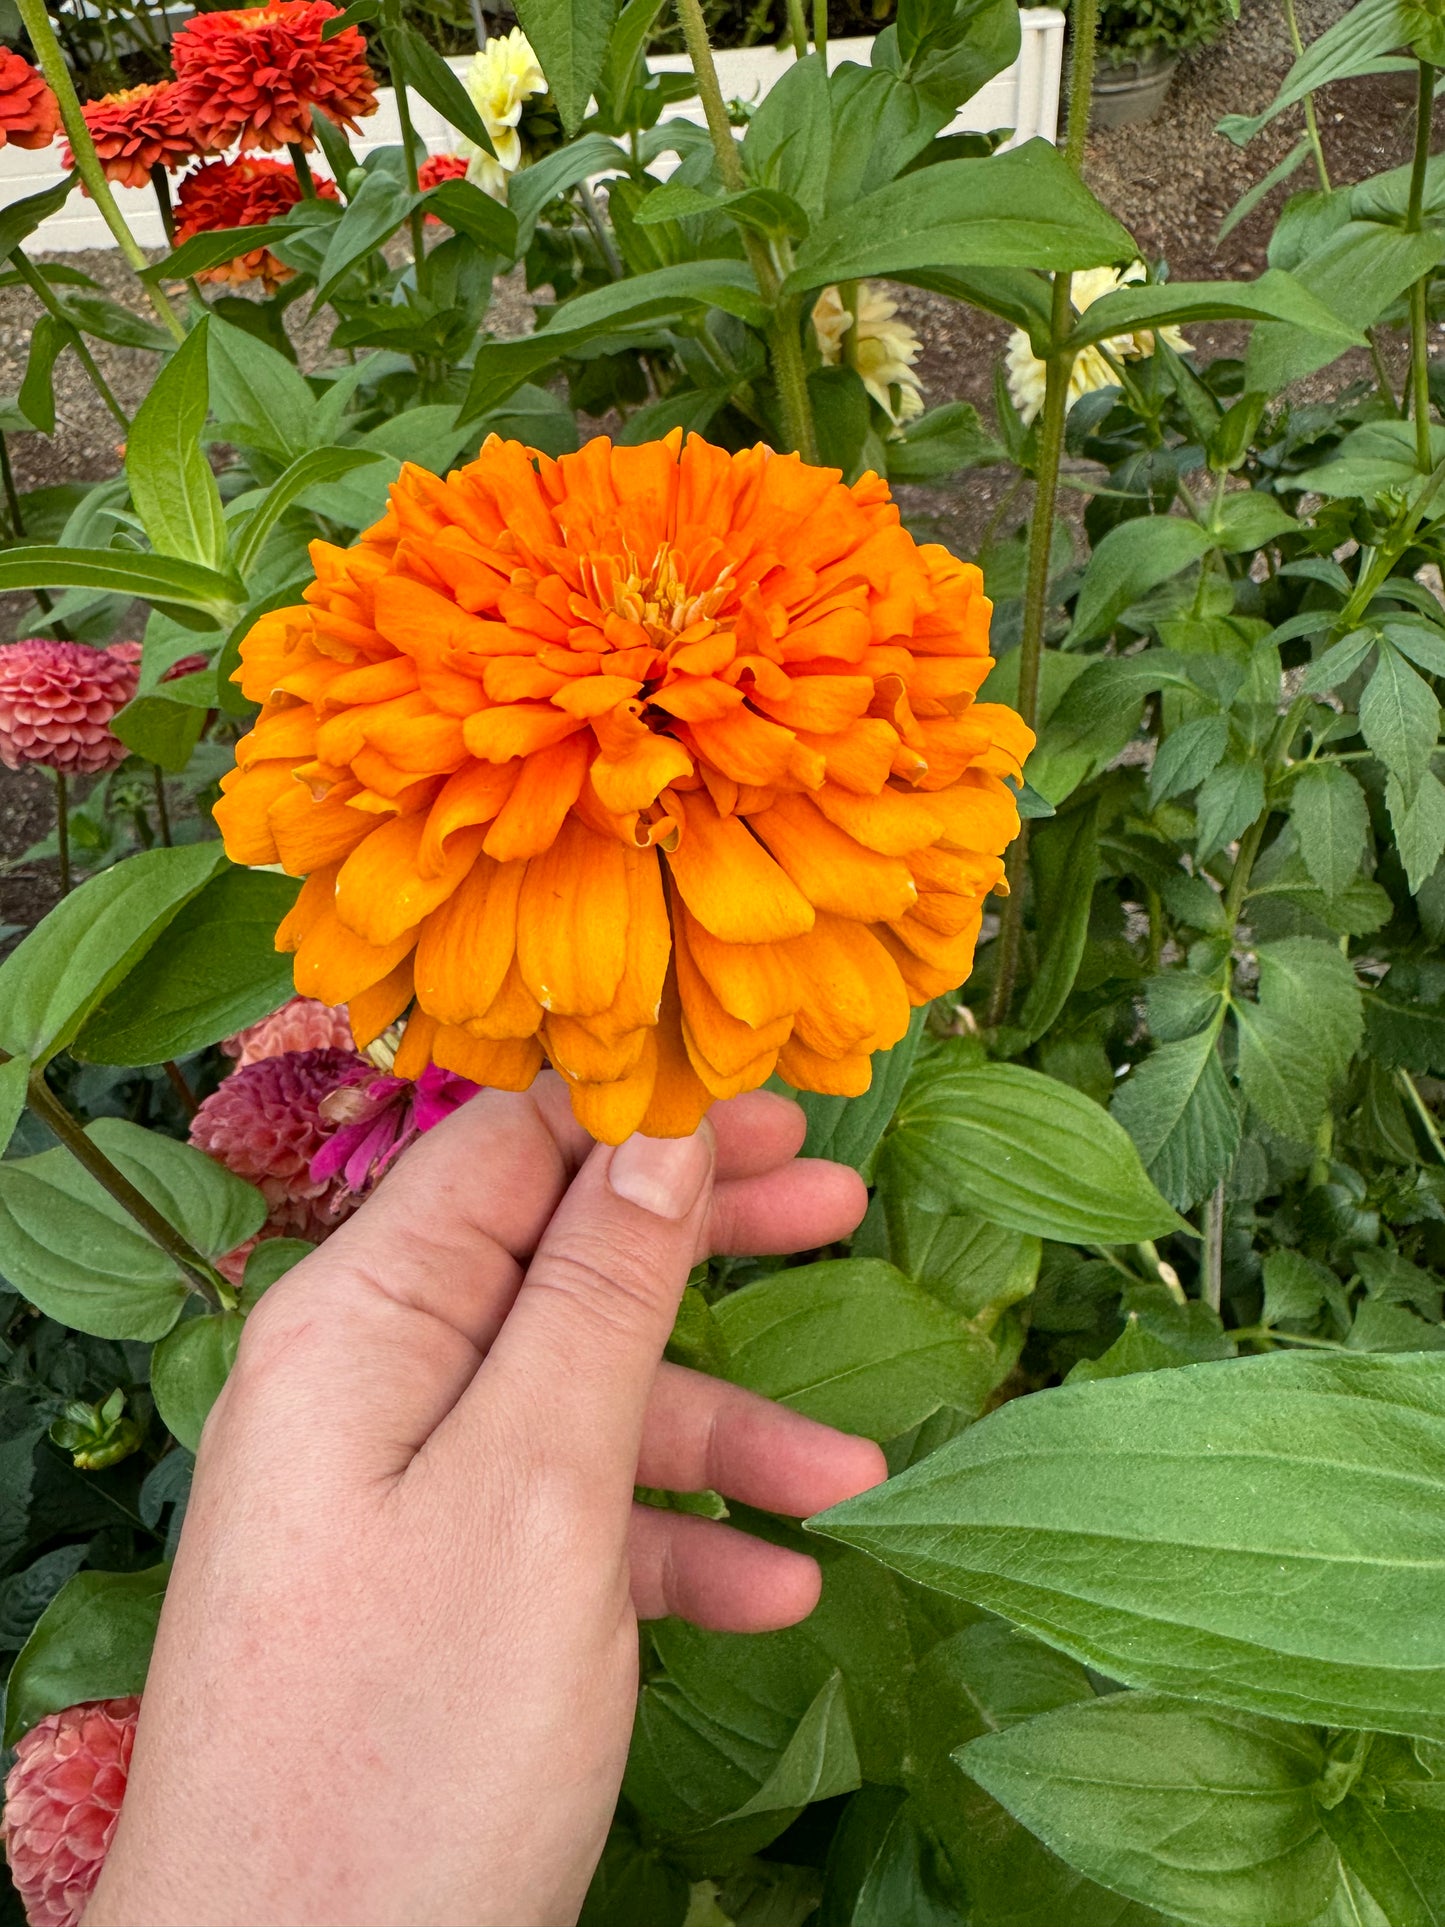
<point x="62" y="1800"/>
<point x="57" y="700"/>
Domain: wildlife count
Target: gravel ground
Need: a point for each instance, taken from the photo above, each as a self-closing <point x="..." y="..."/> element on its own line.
<point x="1171" y="181"/>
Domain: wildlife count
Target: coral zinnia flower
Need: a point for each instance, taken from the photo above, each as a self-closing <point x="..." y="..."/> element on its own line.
<point x="885" y="352"/>
<point x="29" y="115"/>
<point x="62" y="1800"/>
<point x="253" y="75"/>
<point x="301" y="1024"/>
<point x="57" y="700"/>
<point x="141" y="128"/>
<point x="662" y="762"/>
<point x="437" y="168"/>
<point x="247" y="192"/>
<point x="1027" y="375"/>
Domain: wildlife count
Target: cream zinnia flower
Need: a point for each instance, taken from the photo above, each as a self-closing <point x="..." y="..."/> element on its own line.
<point x="500" y="80"/>
<point x="1027" y="374"/>
<point x="885" y="352"/>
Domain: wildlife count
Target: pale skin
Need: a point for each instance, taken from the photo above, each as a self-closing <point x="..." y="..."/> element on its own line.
<point x="395" y="1673"/>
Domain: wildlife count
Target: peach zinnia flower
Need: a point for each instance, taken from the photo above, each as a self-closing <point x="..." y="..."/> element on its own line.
<point x="663" y="764"/>
<point x="57" y="700"/>
<point x="138" y="129"/>
<point x="247" y="192"/>
<point x="29" y="115"/>
<point x="254" y="74"/>
<point x="300" y="1024"/>
<point x="62" y="1800"/>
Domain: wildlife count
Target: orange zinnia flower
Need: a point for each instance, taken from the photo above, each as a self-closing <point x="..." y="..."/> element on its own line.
<point x="661" y="763"/>
<point x="29" y="115"/>
<point x="141" y="128"/>
<point x="254" y="74"/>
<point x="247" y="192"/>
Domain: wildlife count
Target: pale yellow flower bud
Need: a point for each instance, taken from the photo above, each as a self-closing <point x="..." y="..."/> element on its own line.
<point x="1027" y="375"/>
<point x="885" y="352"/>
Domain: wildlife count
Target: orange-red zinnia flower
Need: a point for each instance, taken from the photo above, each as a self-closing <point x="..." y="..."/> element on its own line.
<point x="247" y="192"/>
<point x="141" y="128"/>
<point x="62" y="1800"/>
<point x="437" y="168"/>
<point x="254" y="74"/>
<point x="661" y="763"/>
<point x="29" y="115"/>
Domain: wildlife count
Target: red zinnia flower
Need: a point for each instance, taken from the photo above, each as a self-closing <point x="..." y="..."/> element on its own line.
<point x="438" y="168"/>
<point x="247" y="192"/>
<point x="29" y="116"/>
<point x="141" y="128"/>
<point x="62" y="1800"/>
<point x="255" y="74"/>
<point x="57" y="700"/>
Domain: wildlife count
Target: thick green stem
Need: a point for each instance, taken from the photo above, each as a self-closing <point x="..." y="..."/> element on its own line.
<point x="1312" y="126"/>
<point x="416" y="220"/>
<point x="163" y="814"/>
<point x="1422" y="1110"/>
<point x="62" y="831"/>
<point x="783" y="335"/>
<point x="52" y="65"/>
<point x="1211" y="1258"/>
<point x="593" y="216"/>
<point x="1082" y="39"/>
<point x="1419" y="310"/>
<point x="305" y="180"/>
<point x="45" y="295"/>
<point x="86" y="1152"/>
<point x="820" y="27"/>
<point x="798" y="27"/>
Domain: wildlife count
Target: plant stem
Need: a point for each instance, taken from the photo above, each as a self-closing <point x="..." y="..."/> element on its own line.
<point x="176" y="1078"/>
<point x="161" y="187"/>
<point x="1239" y="877"/>
<point x="786" y="348"/>
<point x="188" y="1261"/>
<point x="52" y="65"/>
<point x="1419" y="311"/>
<point x="798" y="28"/>
<point x="416" y="220"/>
<point x="163" y="814"/>
<point x="1422" y="1111"/>
<point x="304" y="178"/>
<point x="820" y="27"/>
<point x="62" y="831"/>
<point x="1211" y="1258"/>
<point x="1085" y="25"/>
<point x="45" y="295"/>
<point x="593" y="216"/>
<point x="1312" y="126"/>
<point x="1382" y="373"/>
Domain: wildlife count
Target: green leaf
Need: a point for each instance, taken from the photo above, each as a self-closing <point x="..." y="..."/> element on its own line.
<point x="317" y="468"/>
<point x="1339" y="662"/>
<point x="92" y="1642"/>
<point x="217" y="971"/>
<point x="1177" y="1107"/>
<point x="218" y="246"/>
<point x="80" y="1256"/>
<point x="21" y="218"/>
<point x="270" y="1260"/>
<point x="1275" y="296"/>
<point x="423" y="68"/>
<point x="171" y="483"/>
<point x="763" y="209"/>
<point x="1403" y="1027"/>
<point x="880" y="1866"/>
<point x="633" y="1884"/>
<point x="1372" y="458"/>
<point x="848" y="1129"/>
<point x="1331" y="820"/>
<point x="36" y="400"/>
<point x="188" y="1368"/>
<point x="163" y="731"/>
<point x="1134" y="557"/>
<point x="1393" y="1849"/>
<point x="852" y="1343"/>
<point x="1249" y="519"/>
<point x="1026" y="1152"/>
<point x="941" y="443"/>
<point x="14" y="1078"/>
<point x="1065" y="859"/>
<point x="464" y="206"/>
<point x="1296" y="1042"/>
<point x="1400" y="719"/>
<point x="1295" y="1287"/>
<point x="570" y="38"/>
<point x="1209" y="1815"/>
<point x="1026" y="208"/>
<point x="1264" y="1533"/>
<point x="1350" y="46"/>
<point x="260" y="396"/>
<point x="531" y="188"/>
<point x="1358" y="272"/>
<point x="1187" y="755"/>
<point x="790" y="135"/>
<point x="164" y="580"/>
<point x="1419" y="825"/>
<point x="1422" y="641"/>
<point x="1230" y="798"/>
<point x="91" y="940"/>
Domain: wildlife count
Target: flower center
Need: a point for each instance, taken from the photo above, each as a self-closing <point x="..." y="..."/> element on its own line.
<point x="656" y="596"/>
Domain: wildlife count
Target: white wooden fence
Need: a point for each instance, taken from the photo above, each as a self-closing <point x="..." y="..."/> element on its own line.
<point x="1025" y="97"/>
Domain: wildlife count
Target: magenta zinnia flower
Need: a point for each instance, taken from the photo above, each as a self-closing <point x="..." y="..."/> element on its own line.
<point x="377" y="1121"/>
<point x="301" y="1024"/>
<point x="57" y="700"/>
<point x="62" y="1800"/>
<point x="266" y="1124"/>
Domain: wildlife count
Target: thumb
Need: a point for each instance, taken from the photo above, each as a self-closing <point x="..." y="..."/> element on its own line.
<point x="581" y="1345"/>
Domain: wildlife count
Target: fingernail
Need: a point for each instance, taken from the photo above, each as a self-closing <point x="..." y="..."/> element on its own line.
<point x="663" y="1175"/>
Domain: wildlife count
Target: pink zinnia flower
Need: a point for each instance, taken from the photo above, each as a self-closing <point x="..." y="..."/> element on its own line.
<point x="57" y="700"/>
<point x="266" y="1124"/>
<point x="62" y="1800"/>
<point x="377" y="1121"/>
<point x="302" y="1024"/>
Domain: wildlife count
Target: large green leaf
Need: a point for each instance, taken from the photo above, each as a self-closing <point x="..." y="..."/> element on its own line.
<point x="171" y="483"/>
<point x="1275" y="296"/>
<point x="848" y="1129"/>
<point x="374" y="213"/>
<point x="1296" y="1042"/>
<point x="1023" y="209"/>
<point x="1356" y="274"/>
<point x="1064" y="856"/>
<point x="1026" y="1152"/>
<point x="853" y="1343"/>
<point x="22" y="217"/>
<point x="1331" y="820"/>
<point x="91" y="940"/>
<point x="1177" y="1107"/>
<point x="1264" y="1533"/>
<point x="570" y="37"/>
<point x="1207" y="1814"/>
<point x="318" y="469"/>
<point x="188" y="1368"/>
<point x="1134" y="557"/>
<point x="1349" y="46"/>
<point x="167" y="581"/>
<point x="1400" y="718"/>
<point x="260" y="399"/>
<point x="78" y="1255"/>
<point x="217" y="971"/>
<point x="92" y="1642"/>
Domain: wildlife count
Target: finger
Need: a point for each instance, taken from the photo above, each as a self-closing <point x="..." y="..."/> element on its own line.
<point x="798" y="1207"/>
<point x="716" y="1577"/>
<point x="702" y="1434"/>
<point x="578" y="1353"/>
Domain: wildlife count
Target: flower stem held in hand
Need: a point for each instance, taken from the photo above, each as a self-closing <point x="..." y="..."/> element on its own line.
<point x="784" y="343"/>
<point x="52" y="65"/>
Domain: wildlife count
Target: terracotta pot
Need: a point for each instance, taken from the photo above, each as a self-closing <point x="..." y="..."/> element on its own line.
<point x="1132" y="91"/>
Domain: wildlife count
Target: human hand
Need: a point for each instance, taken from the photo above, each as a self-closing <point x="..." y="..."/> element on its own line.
<point x="396" y="1668"/>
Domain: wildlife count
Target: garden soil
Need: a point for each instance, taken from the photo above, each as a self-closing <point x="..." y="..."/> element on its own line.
<point x="1172" y="181"/>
